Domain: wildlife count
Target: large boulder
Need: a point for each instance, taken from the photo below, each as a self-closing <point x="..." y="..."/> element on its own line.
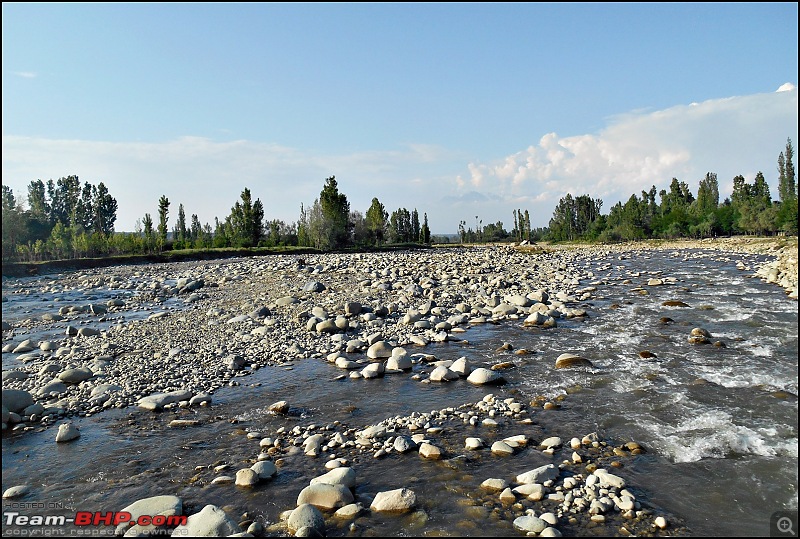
<point x="211" y="521"/>
<point x="16" y="400"/>
<point x="394" y="501"/>
<point x="567" y="361"/>
<point x="325" y="497"/>
<point x="482" y="376"/>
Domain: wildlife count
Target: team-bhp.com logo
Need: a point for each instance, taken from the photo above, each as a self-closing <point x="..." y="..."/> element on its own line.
<point x="93" y="518"/>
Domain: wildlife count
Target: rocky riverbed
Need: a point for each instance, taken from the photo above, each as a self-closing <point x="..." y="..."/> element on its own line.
<point x="166" y="338"/>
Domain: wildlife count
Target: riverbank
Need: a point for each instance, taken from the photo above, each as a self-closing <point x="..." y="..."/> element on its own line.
<point x="176" y="335"/>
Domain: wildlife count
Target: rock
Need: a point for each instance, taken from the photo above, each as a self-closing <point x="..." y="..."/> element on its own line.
<point x="306" y="516"/>
<point x="16" y="492"/>
<point x="246" y="477"/>
<point x="264" y="468"/>
<point x="461" y="366"/>
<point x="373" y="370"/>
<point x="567" y="361"/>
<point x="338" y="476"/>
<point x="394" y="501"/>
<point x="608" y="479"/>
<point x="530" y="524"/>
<point x="349" y="511"/>
<point x="473" y="443"/>
<point x="399" y="361"/>
<point x="16" y="400"/>
<point x="234" y="362"/>
<point x="541" y="474"/>
<point x="482" y="376"/>
<point x="88" y="332"/>
<point x="67" y="432"/>
<point x="325" y="497"/>
<point x="327" y="326"/>
<point x="313" y="286"/>
<point x="502" y="448"/>
<point x="54" y="386"/>
<point x="157" y="401"/>
<point x="156" y="505"/>
<point x="532" y="491"/>
<point x="674" y="303"/>
<point x="14" y="375"/>
<point x="75" y="376"/>
<point x="443" y="374"/>
<point x="403" y="444"/>
<point x="550" y="443"/>
<point x="430" y="451"/>
<point x="379" y="350"/>
<point x="211" y="521"/>
<point x="494" y="485"/>
<point x="280" y="408"/>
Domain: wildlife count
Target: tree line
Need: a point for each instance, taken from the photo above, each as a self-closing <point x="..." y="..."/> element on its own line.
<point x="67" y="219"/>
<point x="677" y="213"/>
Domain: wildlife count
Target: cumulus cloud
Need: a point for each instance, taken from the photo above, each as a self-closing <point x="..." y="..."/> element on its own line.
<point x="739" y="135"/>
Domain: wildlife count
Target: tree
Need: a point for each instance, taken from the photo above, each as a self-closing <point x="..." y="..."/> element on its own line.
<point x="104" y="210"/>
<point x="415" y="227"/>
<point x="163" y="212"/>
<point x="787" y="189"/>
<point x="179" y="233"/>
<point x="147" y="222"/>
<point x="425" y="231"/>
<point x="707" y="195"/>
<point x="376" y="221"/>
<point x="335" y="213"/>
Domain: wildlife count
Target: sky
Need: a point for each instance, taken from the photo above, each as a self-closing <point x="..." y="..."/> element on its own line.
<point x="463" y="111"/>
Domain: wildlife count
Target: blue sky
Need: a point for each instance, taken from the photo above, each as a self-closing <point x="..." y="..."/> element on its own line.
<point x="457" y="110"/>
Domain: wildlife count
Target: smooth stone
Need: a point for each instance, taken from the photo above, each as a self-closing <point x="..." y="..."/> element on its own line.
<point x="473" y="443"/>
<point x="211" y="521"/>
<point x="380" y="350"/>
<point x="325" y="497"/>
<point x="264" y="468"/>
<point x="16" y="491"/>
<point x="566" y="361"/>
<point x="75" y="376"/>
<point x="246" y="477"/>
<point x="338" y="476"/>
<point x="165" y="505"/>
<point x="502" y="448"/>
<point x="542" y="474"/>
<point x="481" y="376"/>
<point x="306" y="516"/>
<point x="67" y="432"/>
<point x="494" y="485"/>
<point x="430" y="451"/>
<point x="16" y="400"/>
<point x="530" y="524"/>
<point x="394" y="501"/>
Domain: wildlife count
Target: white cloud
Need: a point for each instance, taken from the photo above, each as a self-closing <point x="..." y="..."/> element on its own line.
<point x="731" y="136"/>
<point x="786" y="87"/>
<point x="207" y="177"/>
<point x="25" y="74"/>
<point x="739" y="135"/>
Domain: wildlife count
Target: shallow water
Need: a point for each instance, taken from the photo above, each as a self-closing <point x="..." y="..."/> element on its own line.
<point x="719" y="423"/>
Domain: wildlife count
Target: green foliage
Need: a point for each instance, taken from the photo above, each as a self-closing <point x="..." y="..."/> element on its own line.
<point x="377" y="220"/>
<point x="335" y="209"/>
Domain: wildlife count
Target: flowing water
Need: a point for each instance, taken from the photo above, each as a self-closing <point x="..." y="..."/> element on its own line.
<point x="719" y="422"/>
